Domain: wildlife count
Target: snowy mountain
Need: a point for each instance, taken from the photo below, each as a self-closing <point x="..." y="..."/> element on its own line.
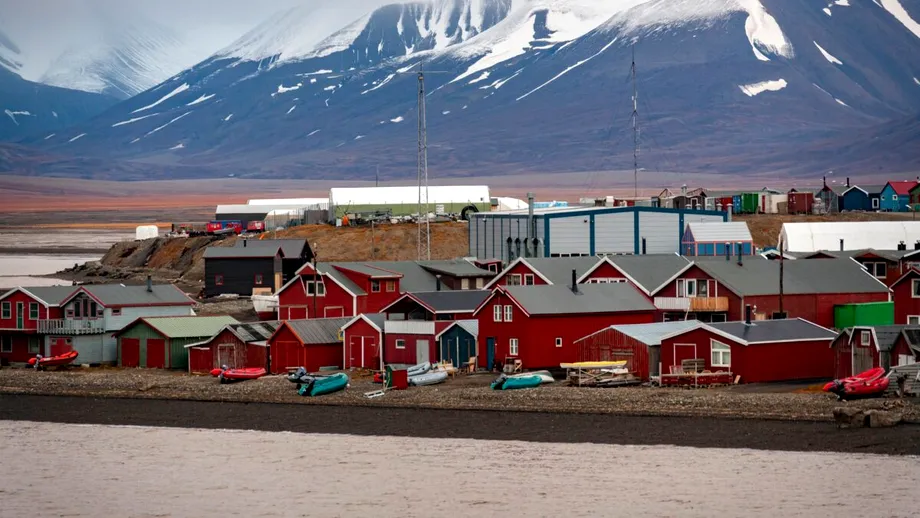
<point x="733" y="86"/>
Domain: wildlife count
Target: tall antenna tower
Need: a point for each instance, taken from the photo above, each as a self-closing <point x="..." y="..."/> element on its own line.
<point x="424" y="230"/>
<point x="635" y="120"/>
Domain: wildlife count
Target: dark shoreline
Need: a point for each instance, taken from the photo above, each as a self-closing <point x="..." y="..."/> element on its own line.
<point x="443" y="424"/>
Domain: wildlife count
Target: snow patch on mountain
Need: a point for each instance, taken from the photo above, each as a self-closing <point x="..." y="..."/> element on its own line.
<point x="841" y="102"/>
<point x="228" y="117"/>
<point x="201" y="99"/>
<point x="397" y="119"/>
<point x="292" y="109"/>
<point x="78" y="137"/>
<point x="183" y="87"/>
<point x="567" y="70"/>
<point x="151" y="132"/>
<point x="897" y="10"/>
<point x="827" y="11"/>
<point x="133" y="120"/>
<point x="766" y="86"/>
<point x="843" y="3"/>
<point x="764" y="33"/>
<point x="12" y="114"/>
<point x="177" y="146"/>
<point x="50" y="136"/>
<point x="285" y="89"/>
<point x="827" y="55"/>
<point x="917" y="81"/>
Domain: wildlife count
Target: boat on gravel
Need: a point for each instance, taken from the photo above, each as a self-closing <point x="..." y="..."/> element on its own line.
<point x="227" y="375"/>
<point x="504" y="382"/>
<point x="40" y="362"/>
<point x="545" y="376"/>
<point x="868" y="384"/>
<point x="320" y="386"/>
<point x="417" y="370"/>
<point x="266" y="306"/>
<point x="429" y="378"/>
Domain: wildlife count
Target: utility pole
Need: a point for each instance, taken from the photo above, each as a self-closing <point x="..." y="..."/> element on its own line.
<point x="315" y="281"/>
<point x="377" y="177"/>
<point x="782" y="246"/>
<point x="424" y="235"/>
<point x="635" y="119"/>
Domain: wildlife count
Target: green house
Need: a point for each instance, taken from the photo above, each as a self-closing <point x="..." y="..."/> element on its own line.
<point x="159" y="342"/>
<point x="866" y="314"/>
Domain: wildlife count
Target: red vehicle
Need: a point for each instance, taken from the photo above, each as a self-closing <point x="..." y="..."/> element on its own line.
<point x="225" y="227"/>
<point x="255" y="226"/>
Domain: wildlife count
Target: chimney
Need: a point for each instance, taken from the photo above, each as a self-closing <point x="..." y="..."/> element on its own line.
<point x="747" y="314"/>
<point x="902" y="246"/>
<point x="740" y="254"/>
<point x="574" y="282"/>
<point x="244" y="243"/>
<point x="728" y="251"/>
<point x="841" y="245"/>
<point x="437" y="283"/>
<point x="848" y="181"/>
<point x="149" y="285"/>
<point x="644" y="248"/>
<point x="917" y="245"/>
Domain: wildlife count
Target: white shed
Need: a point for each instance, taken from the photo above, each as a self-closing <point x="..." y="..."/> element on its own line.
<point x="404" y="200"/>
<point x="146" y="232"/>
<point x="880" y="235"/>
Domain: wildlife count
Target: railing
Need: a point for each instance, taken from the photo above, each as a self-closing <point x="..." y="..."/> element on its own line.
<point x="62" y="326"/>
<point x="409" y="327"/>
<point x="694" y="304"/>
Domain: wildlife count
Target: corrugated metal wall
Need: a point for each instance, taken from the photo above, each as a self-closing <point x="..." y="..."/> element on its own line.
<point x="614" y="233"/>
<point x="661" y="231"/>
<point x="570" y="235"/>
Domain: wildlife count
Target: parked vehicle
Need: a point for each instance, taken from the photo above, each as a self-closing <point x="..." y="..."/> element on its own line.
<point x="225" y="227"/>
<point x="255" y="227"/>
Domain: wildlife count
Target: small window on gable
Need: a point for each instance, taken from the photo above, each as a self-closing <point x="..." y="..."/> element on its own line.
<point x="528" y="279"/>
<point x="258" y="279"/>
<point x="508" y="313"/>
<point x="375" y="286"/>
<point x="497" y="313"/>
<point x="493" y="268"/>
<point x="915" y="291"/>
<point x="116" y="312"/>
<point x="6" y="311"/>
<point x="865" y="338"/>
<point x="33" y="310"/>
<point x="721" y="354"/>
<point x="514" y="279"/>
<point x="894" y="197"/>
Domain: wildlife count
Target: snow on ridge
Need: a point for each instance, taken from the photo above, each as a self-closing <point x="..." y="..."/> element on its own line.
<point x="201" y="99"/>
<point x="78" y="137"/>
<point x="379" y="85"/>
<point x="827" y="55"/>
<point x="49" y="136"/>
<point x="917" y="81"/>
<point x="482" y="77"/>
<point x="135" y="119"/>
<point x="897" y="10"/>
<point x="178" y="146"/>
<point x="285" y="89"/>
<point x="314" y="132"/>
<point x="764" y="33"/>
<point x="151" y="132"/>
<point x="228" y="117"/>
<point x="827" y="11"/>
<point x="841" y="102"/>
<point x="569" y="69"/>
<point x="843" y="3"/>
<point x="766" y="86"/>
<point x="292" y="109"/>
<point x="13" y="114"/>
<point x="166" y="97"/>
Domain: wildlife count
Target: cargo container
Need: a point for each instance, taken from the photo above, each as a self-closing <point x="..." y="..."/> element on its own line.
<point x="773" y="203"/>
<point x="866" y="314"/>
<point x="800" y="202"/>
<point x="746" y="203"/>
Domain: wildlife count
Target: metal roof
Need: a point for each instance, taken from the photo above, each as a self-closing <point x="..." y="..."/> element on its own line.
<point x="765" y="331"/>
<point x="53" y="295"/>
<point x="414" y="277"/>
<point x="255" y="331"/>
<point x="344" y="196"/>
<point x="557" y="299"/>
<point x="720" y="231"/>
<point x="891" y="255"/>
<point x="758" y="276"/>
<point x="370" y="271"/>
<point x="559" y="269"/>
<point x="856" y="235"/>
<point x="299" y="202"/>
<point x="292" y="248"/>
<point x="258" y="209"/>
<point x="189" y="327"/>
<point x="452" y="301"/>
<point x="318" y="330"/>
<point x="912" y="335"/>
<point x="456" y="268"/>
<point x="122" y="295"/>
<point x="903" y="187"/>
<point x="339" y="277"/>
<point x="651" y="334"/>
<point x="650" y="271"/>
<point x="886" y="336"/>
<point x="470" y="326"/>
<point x="241" y="252"/>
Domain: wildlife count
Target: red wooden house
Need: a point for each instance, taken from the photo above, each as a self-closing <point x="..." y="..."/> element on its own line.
<point x="758" y="351"/>
<point x="435" y="305"/>
<point x="538" y="325"/>
<point x="237" y="346"/>
<point x="906" y="295"/>
<point x="637" y="344"/>
<point x="885" y="265"/>
<point x="363" y="336"/>
<point x="21" y="309"/>
<point x="310" y="344"/>
<point x="858" y="349"/>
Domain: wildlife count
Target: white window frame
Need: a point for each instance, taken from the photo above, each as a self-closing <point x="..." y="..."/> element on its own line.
<point x="874" y="269"/>
<point x="914" y="292"/>
<point x="875" y="203"/>
<point x="34" y="305"/>
<point x="514" y="279"/>
<point x="464" y="283"/>
<point x="375" y="286"/>
<point x="400" y="341"/>
<point x="913" y="320"/>
<point x="894" y="197"/>
<point x="722" y="351"/>
<point x="682" y="285"/>
<point x="528" y="279"/>
<point x="116" y="312"/>
<point x="35" y="344"/>
<point x="6" y="344"/>
<point x="865" y="338"/>
<point x="318" y="286"/>
<point x="391" y="286"/>
<point x="558" y="341"/>
<point x="497" y="313"/>
<point x="480" y="282"/>
<point x="509" y="313"/>
<point x="513" y="347"/>
<point x="6" y="310"/>
<point x="905" y="359"/>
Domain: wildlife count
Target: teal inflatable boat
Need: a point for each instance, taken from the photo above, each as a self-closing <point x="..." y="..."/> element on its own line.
<point x="321" y="386"/>
<point x="517" y="382"/>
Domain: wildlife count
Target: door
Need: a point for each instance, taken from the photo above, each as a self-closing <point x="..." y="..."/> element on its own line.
<point x="422" y="354"/>
<point x="490" y="352"/>
<point x="370" y="355"/>
<point x="130" y="352"/>
<point x="862" y="359"/>
<point x="225" y="356"/>
<point x="447" y="350"/>
<point x="20" y="315"/>
<point x="156" y="353"/>
<point x="355" y="348"/>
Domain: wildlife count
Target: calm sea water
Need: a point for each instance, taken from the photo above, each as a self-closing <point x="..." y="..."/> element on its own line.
<point x="17" y="270"/>
<point x="75" y="470"/>
<point x="59" y="249"/>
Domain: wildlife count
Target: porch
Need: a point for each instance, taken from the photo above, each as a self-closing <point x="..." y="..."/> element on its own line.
<point x="60" y="326"/>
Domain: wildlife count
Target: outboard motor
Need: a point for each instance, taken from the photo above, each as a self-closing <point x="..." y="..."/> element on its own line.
<point x="38" y="361"/>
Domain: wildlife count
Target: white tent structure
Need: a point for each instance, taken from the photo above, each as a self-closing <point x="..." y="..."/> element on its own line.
<point x="404" y="200"/>
<point x="858" y="235"/>
<point x="301" y="202"/>
<point x="146" y="232"/>
<point x="505" y="203"/>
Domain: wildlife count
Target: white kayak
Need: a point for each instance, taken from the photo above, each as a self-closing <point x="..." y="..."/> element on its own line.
<point x="419" y="369"/>
<point x="430" y="378"/>
<point x="545" y="376"/>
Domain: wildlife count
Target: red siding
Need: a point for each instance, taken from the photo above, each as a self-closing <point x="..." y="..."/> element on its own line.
<point x="288" y="352"/>
<point x="844" y="357"/>
<point x="239" y="355"/>
<point x="20" y="352"/>
<point x="670" y="290"/>
<point x="362" y="346"/>
<point x="757" y="363"/>
<point x="28" y="323"/>
<point x="892" y="271"/>
<point x="200" y="360"/>
<point x="904" y="303"/>
<point x="521" y="269"/>
<point x="537" y="335"/>
<point x="814" y="308"/>
<point x="612" y="345"/>
<point x="407" y="355"/>
<point x="295" y="304"/>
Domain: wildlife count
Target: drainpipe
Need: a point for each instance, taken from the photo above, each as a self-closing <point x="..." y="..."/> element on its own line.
<point x="841" y="245"/>
<point x="747" y="314"/>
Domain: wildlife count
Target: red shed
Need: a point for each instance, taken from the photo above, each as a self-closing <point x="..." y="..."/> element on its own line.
<point x="310" y="344"/>
<point x="800" y="202"/>
<point x="858" y="349"/>
<point x="236" y="346"/>
<point x="638" y="344"/>
<point x="759" y="351"/>
<point x="906" y="295"/>
<point x="410" y="342"/>
<point x="538" y="325"/>
<point x="363" y="337"/>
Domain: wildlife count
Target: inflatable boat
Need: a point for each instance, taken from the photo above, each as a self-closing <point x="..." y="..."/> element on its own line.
<point x="871" y="383"/>
<point x="226" y="375"/>
<point x="40" y="362"/>
<point x="430" y="378"/>
<point x="325" y="385"/>
<point x="517" y="382"/>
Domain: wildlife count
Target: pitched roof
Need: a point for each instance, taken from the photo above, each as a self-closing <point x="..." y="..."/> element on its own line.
<point x="558" y="270"/>
<point x="254" y="331"/>
<point x="868" y="189"/>
<point x="885" y="336"/>
<point x="649" y="334"/>
<point x="559" y="299"/>
<point x="414" y="277"/>
<point x="368" y="270"/>
<point x="912" y="336"/>
<point x="758" y="276"/>
<point x="891" y="255"/>
<point x="291" y="248"/>
<point x="121" y="295"/>
<point x="242" y="252"/>
<point x="455" y="268"/>
<point x="903" y="187"/>
<point x="188" y="327"/>
<point x="650" y="271"/>
<point x="318" y="330"/>
<point x="470" y="326"/>
<point x="766" y="331"/>
<point x="377" y="320"/>
<point x="720" y="231"/>
<point x="51" y="295"/>
<point x="451" y="301"/>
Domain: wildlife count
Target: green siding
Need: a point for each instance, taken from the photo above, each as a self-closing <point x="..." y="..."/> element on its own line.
<point x="176" y="353"/>
<point x="178" y="358"/>
<point x="868" y="314"/>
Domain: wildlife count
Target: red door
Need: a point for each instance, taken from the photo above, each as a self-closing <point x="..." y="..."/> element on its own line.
<point x="130" y="352"/>
<point x="371" y="353"/>
<point x="156" y="353"/>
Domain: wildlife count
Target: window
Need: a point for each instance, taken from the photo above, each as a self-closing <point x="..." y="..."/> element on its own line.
<point x="33" y="310"/>
<point x="915" y="289"/>
<point x="34" y="345"/>
<point x="702" y="288"/>
<point x="6" y="344"/>
<point x="400" y="343"/>
<point x="218" y="280"/>
<point x="513" y="347"/>
<point x="721" y="354"/>
<point x="493" y="268"/>
<point x="559" y="342"/>
<point x="116" y="312"/>
<point x="317" y="287"/>
<point x="874" y="203"/>
<point x="69" y="313"/>
<point x="480" y="282"/>
<point x="894" y="197"/>
<point x="258" y="279"/>
<point x="464" y="284"/>
<point x="391" y="286"/>
<point x="93" y="310"/>
<point x="6" y="311"/>
<point x="508" y="313"/>
<point x="514" y="280"/>
<point x="605" y="280"/>
<point x="913" y="320"/>
<point x="905" y="359"/>
<point x="497" y="313"/>
<point x="686" y="287"/>
<point x="878" y="270"/>
<point x="528" y="279"/>
<point x="375" y="286"/>
<point x="865" y="338"/>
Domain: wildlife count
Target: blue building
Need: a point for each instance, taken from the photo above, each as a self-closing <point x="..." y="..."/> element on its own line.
<point x="712" y="238"/>
<point x="865" y="197"/>
<point x="895" y="196"/>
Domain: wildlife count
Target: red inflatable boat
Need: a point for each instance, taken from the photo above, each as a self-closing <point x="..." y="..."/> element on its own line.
<point x="872" y="383"/>
<point x="249" y="373"/>
<point x="40" y="362"/>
